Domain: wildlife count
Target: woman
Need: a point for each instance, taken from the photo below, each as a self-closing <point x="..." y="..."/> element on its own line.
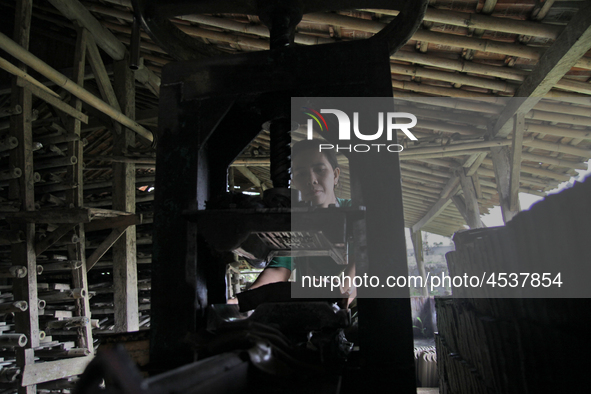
<point x="315" y="174"/>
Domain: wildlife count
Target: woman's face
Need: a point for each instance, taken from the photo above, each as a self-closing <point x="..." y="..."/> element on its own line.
<point x="313" y="175"/>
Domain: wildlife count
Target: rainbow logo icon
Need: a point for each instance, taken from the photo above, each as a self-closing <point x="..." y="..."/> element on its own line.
<point x="315" y="115"/>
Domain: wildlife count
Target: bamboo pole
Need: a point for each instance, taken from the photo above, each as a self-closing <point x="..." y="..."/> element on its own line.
<point x="438" y="38"/>
<point x="457" y="147"/>
<point x="485" y="22"/>
<point x="446" y="76"/>
<point x="457" y="65"/>
<point x="12" y="69"/>
<point x="50" y="73"/>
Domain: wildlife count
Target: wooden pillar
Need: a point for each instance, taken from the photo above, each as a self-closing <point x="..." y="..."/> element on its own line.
<point x="124" y="250"/>
<point x="22" y="190"/>
<point x="470" y="200"/>
<point x="516" y="147"/>
<point x="417" y="244"/>
<point x="74" y="196"/>
<point x="501" y="158"/>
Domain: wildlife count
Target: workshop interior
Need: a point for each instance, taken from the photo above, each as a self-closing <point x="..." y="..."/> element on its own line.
<point x="146" y="181"/>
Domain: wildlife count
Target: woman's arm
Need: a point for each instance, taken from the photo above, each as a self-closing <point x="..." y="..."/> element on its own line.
<point x="350" y="291"/>
<point x="271" y="275"/>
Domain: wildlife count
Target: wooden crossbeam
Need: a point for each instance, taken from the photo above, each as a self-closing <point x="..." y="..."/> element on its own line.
<point x="559" y="58"/>
<point x="104" y="247"/>
<point x="75" y="11"/>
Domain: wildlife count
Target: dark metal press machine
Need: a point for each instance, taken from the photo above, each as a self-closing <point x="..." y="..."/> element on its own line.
<point x="211" y="108"/>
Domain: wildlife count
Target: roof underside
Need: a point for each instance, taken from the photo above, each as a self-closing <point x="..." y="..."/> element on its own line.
<point x="471" y="52"/>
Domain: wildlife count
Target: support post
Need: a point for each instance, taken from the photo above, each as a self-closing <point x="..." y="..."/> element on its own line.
<point x="124" y="250"/>
<point x="22" y="189"/>
<point x="518" y="128"/>
<point x="471" y="202"/>
<point x="75" y="196"/>
<point x="502" y="168"/>
<point x="417" y="244"/>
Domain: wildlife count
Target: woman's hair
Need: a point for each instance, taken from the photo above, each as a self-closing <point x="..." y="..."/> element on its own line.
<point x="306" y="145"/>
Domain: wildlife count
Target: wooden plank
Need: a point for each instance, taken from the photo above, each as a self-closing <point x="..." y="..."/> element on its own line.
<point x="53" y="370"/>
<point x="75" y="11"/>
<point x="119" y="221"/>
<point x="471" y="203"/>
<point x="54" y="101"/>
<point x="104" y="247"/>
<point x="516" y="148"/>
<point x="124" y="250"/>
<point x="55" y="236"/>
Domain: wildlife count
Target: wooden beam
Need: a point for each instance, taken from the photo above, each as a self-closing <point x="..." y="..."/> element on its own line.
<point x="502" y="171"/>
<point x="53" y="370"/>
<point x="124" y="250"/>
<point x="67" y="84"/>
<point x="477" y="162"/>
<point x="516" y="148"/>
<point x="559" y="58"/>
<point x="409" y="153"/>
<point x="75" y="11"/>
<point x="541" y="10"/>
<point x="451" y="187"/>
<point x="12" y="69"/>
<point x="55" y="236"/>
<point x="22" y="190"/>
<point x="75" y="196"/>
<point x="122" y="159"/>
<point x="104" y="247"/>
<point x="110" y="223"/>
<point x="477" y="188"/>
<point x="470" y="200"/>
<point x="435" y="210"/>
<point x="252" y="178"/>
<point x="102" y="78"/>
<point x="417" y="244"/>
